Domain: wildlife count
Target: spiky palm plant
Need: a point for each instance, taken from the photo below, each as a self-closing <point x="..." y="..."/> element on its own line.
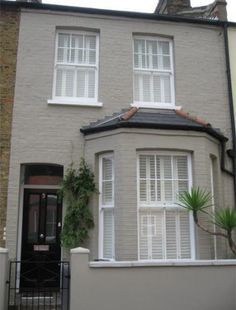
<point x="199" y="200"/>
<point x="226" y="220"/>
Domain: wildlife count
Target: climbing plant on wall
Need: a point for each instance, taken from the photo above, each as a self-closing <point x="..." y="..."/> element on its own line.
<point x="77" y="187"/>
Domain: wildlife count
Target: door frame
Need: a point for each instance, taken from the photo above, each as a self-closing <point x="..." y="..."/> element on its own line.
<point x="20" y="220"/>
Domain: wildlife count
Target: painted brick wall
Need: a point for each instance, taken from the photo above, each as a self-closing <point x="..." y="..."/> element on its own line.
<point x="44" y="133"/>
<point x="9" y="28"/>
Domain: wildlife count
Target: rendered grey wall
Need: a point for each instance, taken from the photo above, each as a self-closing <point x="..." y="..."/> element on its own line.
<point x="153" y="287"/>
<point x="44" y="133"/>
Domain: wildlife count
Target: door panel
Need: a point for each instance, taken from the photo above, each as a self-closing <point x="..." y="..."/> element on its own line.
<point x="41" y="239"/>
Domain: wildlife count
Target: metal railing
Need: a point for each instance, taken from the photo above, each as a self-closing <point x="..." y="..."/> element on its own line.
<point x="38" y="285"/>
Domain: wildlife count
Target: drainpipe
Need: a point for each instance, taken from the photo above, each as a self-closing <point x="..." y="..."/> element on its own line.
<point x="231" y="105"/>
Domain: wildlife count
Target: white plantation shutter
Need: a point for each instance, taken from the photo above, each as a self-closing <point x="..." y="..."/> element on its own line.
<point x="76" y="66"/>
<point x="108" y="233"/>
<point x="164" y="227"/>
<point x="153" y="71"/>
<point x="106" y="188"/>
<point x="185" y="242"/>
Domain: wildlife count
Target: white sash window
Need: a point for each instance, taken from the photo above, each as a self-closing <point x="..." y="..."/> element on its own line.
<point x="165" y="229"/>
<point x="106" y="207"/>
<point x="153" y="72"/>
<point x="76" y="67"/>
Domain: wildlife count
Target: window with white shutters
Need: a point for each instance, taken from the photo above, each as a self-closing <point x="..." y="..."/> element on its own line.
<point x="164" y="226"/>
<point x="76" y="66"/>
<point x="153" y="71"/>
<point x="106" y="217"/>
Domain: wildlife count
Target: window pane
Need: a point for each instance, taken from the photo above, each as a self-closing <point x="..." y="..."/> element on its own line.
<point x="171" y="235"/>
<point x="185" y="242"/>
<point x="157" y="88"/>
<point x="64" y="82"/>
<point x="143" y="191"/>
<point x="33" y="217"/>
<point x="69" y="83"/>
<point x="166" y="62"/>
<point x="107" y="195"/>
<point x="146" y="88"/>
<point x="107" y="181"/>
<point x="59" y="83"/>
<point x="81" y="76"/>
<point x="43" y="174"/>
<point x="90" y="42"/>
<point x="51" y="218"/>
<point x="108" y="233"/>
<point x="167" y="90"/>
<point x="63" y="40"/>
<point x="91" y="84"/>
<point x="62" y="55"/>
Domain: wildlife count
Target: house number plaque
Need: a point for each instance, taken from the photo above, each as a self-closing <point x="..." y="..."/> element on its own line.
<point x="42" y="248"/>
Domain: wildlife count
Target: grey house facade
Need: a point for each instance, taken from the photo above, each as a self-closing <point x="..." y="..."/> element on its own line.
<point x="115" y="88"/>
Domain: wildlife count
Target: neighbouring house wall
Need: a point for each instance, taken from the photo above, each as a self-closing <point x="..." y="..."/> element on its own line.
<point x="232" y="53"/>
<point x="176" y="287"/>
<point x="9" y="28"/>
<point x="44" y="133"/>
<point x="3" y="277"/>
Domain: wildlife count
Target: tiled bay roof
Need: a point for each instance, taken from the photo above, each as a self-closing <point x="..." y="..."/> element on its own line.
<point x="152" y="119"/>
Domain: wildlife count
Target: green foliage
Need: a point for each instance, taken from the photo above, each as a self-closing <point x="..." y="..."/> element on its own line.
<point x="226" y="219"/>
<point x="197" y="200"/>
<point x="77" y="187"/>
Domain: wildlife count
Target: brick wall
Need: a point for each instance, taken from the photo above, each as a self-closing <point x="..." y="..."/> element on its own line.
<point x="9" y="28"/>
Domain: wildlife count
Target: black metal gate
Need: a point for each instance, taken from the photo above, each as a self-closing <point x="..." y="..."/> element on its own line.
<point x="28" y="290"/>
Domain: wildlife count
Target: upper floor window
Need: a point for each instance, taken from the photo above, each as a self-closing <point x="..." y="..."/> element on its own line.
<point x="76" y="66"/>
<point x="153" y="72"/>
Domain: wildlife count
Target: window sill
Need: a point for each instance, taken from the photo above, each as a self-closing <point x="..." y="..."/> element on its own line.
<point x="167" y="263"/>
<point x="74" y="103"/>
<point x="150" y="105"/>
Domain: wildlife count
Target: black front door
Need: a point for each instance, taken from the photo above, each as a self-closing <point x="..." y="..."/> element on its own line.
<point x="41" y="249"/>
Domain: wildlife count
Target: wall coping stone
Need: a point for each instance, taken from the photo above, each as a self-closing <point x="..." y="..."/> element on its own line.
<point x="3" y="251"/>
<point x="79" y="250"/>
<point x="169" y="263"/>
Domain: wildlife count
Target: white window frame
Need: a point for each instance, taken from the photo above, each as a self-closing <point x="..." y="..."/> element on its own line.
<point x="140" y="206"/>
<point x="153" y="104"/>
<point x="104" y="207"/>
<point x="84" y="101"/>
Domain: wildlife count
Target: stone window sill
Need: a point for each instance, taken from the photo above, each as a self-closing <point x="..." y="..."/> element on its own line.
<point x="74" y="103"/>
